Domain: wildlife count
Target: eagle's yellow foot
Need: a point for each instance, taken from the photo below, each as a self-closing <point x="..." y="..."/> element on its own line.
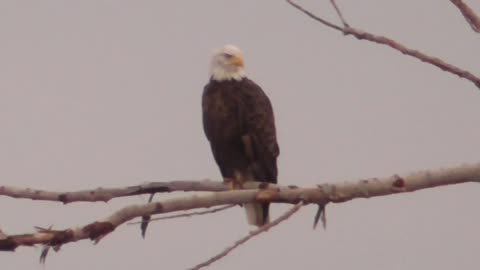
<point x="233" y="184"/>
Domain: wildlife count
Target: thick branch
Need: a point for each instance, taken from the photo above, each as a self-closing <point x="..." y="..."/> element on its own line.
<point x="321" y="194"/>
<point x="359" y="34"/>
<point x="472" y="18"/>
<point x="106" y="194"/>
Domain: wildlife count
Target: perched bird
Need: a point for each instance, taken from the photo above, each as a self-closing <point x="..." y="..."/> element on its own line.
<point x="238" y="121"/>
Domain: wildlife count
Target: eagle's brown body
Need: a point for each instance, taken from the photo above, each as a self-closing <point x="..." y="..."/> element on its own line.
<point x="239" y="123"/>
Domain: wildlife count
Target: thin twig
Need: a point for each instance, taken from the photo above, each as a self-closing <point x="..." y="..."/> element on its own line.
<point x="472" y="18"/>
<point x="252" y="234"/>
<point x="359" y="34"/>
<point x="191" y="214"/>
<point x="320" y="215"/>
<point x="146" y="219"/>
<point x="339" y="13"/>
<point x="315" y="17"/>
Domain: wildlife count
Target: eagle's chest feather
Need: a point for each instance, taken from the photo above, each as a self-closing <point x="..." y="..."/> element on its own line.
<point x="224" y="109"/>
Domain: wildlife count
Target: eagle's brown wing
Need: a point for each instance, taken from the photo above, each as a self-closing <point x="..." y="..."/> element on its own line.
<point x="260" y="139"/>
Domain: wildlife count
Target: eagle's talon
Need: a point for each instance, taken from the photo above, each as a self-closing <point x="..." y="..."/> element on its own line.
<point x="233" y="184"/>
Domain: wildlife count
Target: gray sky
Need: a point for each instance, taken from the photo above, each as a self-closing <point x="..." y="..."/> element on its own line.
<point x="107" y="93"/>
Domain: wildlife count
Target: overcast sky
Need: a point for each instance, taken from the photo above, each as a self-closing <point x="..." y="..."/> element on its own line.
<point x="107" y="93"/>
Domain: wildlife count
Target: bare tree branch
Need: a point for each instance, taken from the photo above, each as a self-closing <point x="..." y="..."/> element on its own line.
<point x="252" y="234"/>
<point x="472" y="18"/>
<point x="106" y="194"/>
<point x="322" y="194"/>
<point x="359" y="34"/>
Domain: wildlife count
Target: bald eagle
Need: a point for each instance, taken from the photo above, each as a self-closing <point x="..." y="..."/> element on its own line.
<point x="238" y="121"/>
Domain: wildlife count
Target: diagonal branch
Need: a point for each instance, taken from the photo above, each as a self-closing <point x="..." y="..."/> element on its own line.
<point x="322" y="194"/>
<point x="472" y="18"/>
<point x="359" y="34"/>
<point x="252" y="234"/>
<point x="414" y="53"/>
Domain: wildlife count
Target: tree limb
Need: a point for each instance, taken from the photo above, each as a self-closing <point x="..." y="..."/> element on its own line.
<point x="322" y="194"/>
<point x="472" y="18"/>
<point x="359" y="34"/>
<point x="106" y="194"/>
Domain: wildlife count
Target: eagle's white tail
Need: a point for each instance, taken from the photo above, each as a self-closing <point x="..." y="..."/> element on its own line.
<point x="255" y="214"/>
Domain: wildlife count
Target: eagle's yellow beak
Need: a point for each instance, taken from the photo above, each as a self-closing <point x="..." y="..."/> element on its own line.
<point x="237" y="61"/>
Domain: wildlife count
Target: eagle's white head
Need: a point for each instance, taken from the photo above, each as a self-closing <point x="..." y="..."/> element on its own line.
<point x="227" y="64"/>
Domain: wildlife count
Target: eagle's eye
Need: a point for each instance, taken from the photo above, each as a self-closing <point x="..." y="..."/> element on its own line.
<point x="228" y="55"/>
